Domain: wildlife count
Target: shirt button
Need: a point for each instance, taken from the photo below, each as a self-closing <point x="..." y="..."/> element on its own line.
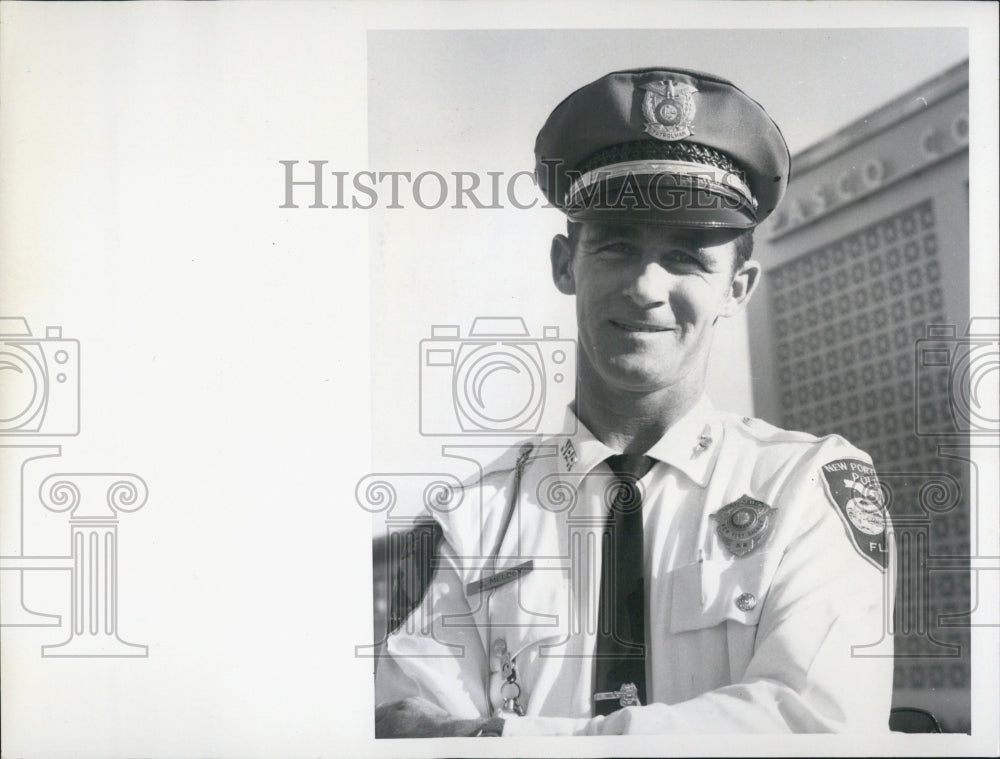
<point x="499" y="646"/>
<point x="746" y="602"/>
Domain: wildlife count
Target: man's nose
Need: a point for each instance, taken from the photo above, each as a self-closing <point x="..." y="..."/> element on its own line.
<point x="647" y="285"/>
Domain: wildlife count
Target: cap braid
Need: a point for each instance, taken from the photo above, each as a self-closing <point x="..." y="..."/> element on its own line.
<point x="653" y="150"/>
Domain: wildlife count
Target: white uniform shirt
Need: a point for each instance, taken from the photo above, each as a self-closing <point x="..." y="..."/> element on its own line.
<point x="789" y="636"/>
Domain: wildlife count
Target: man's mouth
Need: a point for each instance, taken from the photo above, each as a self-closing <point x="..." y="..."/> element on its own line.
<point x="630" y="326"/>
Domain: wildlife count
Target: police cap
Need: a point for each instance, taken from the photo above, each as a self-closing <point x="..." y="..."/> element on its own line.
<point x="664" y="146"/>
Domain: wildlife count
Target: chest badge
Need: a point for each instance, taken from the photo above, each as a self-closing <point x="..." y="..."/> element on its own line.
<point x="668" y="107"/>
<point x="744" y="524"/>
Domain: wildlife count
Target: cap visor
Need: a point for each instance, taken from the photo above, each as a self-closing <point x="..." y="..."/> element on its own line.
<point x="712" y="213"/>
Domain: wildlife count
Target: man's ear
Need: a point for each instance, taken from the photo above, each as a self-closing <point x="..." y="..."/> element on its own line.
<point x="562" y="264"/>
<point x="742" y="288"/>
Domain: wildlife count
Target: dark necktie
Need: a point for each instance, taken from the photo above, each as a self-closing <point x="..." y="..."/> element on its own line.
<point x="621" y="634"/>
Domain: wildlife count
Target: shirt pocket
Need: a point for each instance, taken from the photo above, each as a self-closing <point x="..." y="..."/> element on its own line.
<point x="729" y="594"/>
<point x="707" y="593"/>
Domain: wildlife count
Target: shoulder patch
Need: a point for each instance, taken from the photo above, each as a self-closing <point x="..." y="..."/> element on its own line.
<point x="855" y="491"/>
<point x="413" y="560"/>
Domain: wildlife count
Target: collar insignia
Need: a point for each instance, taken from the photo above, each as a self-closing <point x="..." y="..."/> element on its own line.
<point x="669" y="109"/>
<point x="568" y="452"/>
<point x="704" y="440"/>
<point x="744" y="524"/>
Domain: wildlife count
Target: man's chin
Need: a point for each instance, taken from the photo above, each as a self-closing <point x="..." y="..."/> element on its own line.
<point x="637" y="377"/>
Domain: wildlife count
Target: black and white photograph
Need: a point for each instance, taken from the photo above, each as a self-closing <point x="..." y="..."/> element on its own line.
<point x="800" y="560"/>
<point x="468" y="379"/>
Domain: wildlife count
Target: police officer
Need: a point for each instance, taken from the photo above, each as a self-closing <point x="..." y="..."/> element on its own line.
<point x="668" y="567"/>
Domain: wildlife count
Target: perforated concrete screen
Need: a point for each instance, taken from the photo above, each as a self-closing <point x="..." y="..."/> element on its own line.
<point x="849" y="318"/>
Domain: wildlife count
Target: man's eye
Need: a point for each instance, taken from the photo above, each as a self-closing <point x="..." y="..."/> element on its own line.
<point x="682" y="257"/>
<point x="614" y="251"/>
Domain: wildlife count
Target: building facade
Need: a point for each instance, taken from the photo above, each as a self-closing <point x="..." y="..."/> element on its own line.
<point x="861" y="327"/>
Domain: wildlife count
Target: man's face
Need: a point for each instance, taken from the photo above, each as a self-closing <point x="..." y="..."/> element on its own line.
<point x="647" y="300"/>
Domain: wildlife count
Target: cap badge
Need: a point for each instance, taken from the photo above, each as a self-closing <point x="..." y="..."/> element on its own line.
<point x="744" y="524"/>
<point x="669" y="109"/>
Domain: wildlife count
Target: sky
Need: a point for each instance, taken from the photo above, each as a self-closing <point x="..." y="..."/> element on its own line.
<point x="811" y="81"/>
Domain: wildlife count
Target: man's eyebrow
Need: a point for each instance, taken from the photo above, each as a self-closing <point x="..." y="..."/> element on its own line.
<point x="611" y="239"/>
<point x="693" y="250"/>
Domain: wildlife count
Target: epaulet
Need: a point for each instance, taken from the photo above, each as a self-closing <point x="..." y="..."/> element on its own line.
<point x="510" y="461"/>
<point x="411" y="569"/>
<point x="766" y="432"/>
